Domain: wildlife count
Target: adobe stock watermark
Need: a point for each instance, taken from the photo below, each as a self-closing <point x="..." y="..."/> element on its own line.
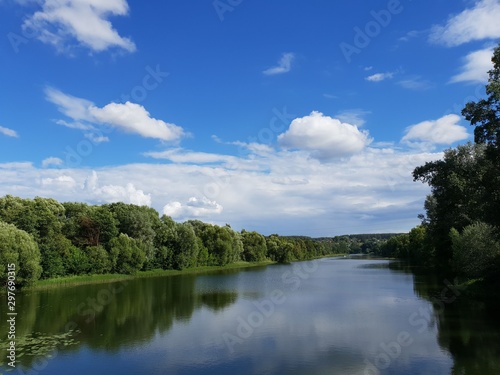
<point x="220" y="181"/>
<point x="93" y="137"/>
<point x="223" y="6"/>
<point x="363" y="36"/>
<point x="17" y="40"/>
<point x="264" y="309"/>
<point x="420" y="320"/>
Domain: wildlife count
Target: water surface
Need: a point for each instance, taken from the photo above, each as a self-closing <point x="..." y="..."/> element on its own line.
<point x="334" y="316"/>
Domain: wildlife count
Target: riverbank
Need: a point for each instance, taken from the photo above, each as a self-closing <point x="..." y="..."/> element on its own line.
<point x="107" y="278"/>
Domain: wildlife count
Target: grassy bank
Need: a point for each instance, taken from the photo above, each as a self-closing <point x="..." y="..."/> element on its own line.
<point x="106" y="278"/>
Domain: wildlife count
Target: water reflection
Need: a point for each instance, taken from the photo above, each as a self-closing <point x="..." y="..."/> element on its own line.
<point x="343" y="316"/>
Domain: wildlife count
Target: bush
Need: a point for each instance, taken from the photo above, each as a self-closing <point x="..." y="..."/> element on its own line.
<point x="19" y="248"/>
<point x="476" y="251"/>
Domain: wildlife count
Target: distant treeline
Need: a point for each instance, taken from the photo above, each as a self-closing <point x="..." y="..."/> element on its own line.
<point x="48" y="239"/>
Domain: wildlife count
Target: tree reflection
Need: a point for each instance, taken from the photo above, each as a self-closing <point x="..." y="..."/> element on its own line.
<point x="106" y="316"/>
<point x="469" y="329"/>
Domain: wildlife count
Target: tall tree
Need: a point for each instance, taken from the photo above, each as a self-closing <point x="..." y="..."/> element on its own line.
<point x="485" y="116"/>
<point x="19" y="248"/>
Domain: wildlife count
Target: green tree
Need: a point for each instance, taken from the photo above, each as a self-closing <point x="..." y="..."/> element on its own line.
<point x="279" y="249"/>
<point x="485" y="116"/>
<point x="138" y="222"/>
<point x="476" y="251"/>
<point x="254" y="246"/>
<point x="126" y="255"/>
<point x="98" y="259"/>
<point x="457" y="194"/>
<point x="185" y="249"/>
<point x="19" y="248"/>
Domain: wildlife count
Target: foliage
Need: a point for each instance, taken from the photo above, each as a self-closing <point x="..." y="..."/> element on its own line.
<point x="126" y="255"/>
<point x="476" y="251"/>
<point x="254" y="246"/>
<point x="19" y="248"/>
<point x="75" y="239"/>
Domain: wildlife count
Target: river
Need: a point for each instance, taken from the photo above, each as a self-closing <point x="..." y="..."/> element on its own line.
<point x="329" y="316"/>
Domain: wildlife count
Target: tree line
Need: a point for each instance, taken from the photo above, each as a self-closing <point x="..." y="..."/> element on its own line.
<point x="49" y="239"/>
<point x="461" y="226"/>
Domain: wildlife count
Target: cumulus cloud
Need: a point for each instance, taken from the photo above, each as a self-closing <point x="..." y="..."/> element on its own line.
<point x="476" y="67"/>
<point x="444" y="131"/>
<point x="63" y="181"/>
<point x="52" y="161"/>
<point x="476" y="23"/>
<point x="193" y="208"/>
<point x="324" y="137"/>
<point x="60" y="22"/>
<point x="128" y="117"/>
<point x="284" y="65"/>
<point x="115" y="193"/>
<point x="378" y="77"/>
<point x="8" y="132"/>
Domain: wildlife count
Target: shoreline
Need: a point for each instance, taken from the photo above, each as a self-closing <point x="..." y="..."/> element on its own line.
<point x="69" y="281"/>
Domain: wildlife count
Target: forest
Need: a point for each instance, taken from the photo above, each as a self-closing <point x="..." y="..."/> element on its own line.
<point x="48" y="239"/>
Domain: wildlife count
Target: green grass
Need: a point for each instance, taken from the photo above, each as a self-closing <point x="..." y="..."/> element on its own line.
<point x="106" y="278"/>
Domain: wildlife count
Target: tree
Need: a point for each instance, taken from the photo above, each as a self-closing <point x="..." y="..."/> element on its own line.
<point x="126" y="255"/>
<point x="138" y="222"/>
<point x="485" y="113"/>
<point x="19" y="248"/>
<point x="279" y="249"/>
<point x="476" y="251"/>
<point x="458" y="194"/>
<point x="254" y="246"/>
<point x="185" y="250"/>
<point x="485" y="116"/>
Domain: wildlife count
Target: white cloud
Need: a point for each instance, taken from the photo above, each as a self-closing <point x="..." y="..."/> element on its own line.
<point x="378" y="77"/>
<point x="52" y="161"/>
<point x="354" y="116"/>
<point x="193" y="208"/>
<point x="115" y="193"/>
<point x="476" y="67"/>
<point x="71" y="106"/>
<point x="8" y="132"/>
<point x="284" y="65"/>
<point x="476" y="23"/>
<point x="94" y="138"/>
<point x="324" y="137"/>
<point x="128" y="117"/>
<point x="181" y="156"/>
<point x="415" y="83"/>
<point x="86" y="21"/>
<point x="133" y="118"/>
<point x="256" y="192"/>
<point x="444" y="130"/>
<point x="63" y="181"/>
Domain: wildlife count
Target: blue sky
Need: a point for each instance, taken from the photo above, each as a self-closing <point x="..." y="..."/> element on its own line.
<point x="281" y="117"/>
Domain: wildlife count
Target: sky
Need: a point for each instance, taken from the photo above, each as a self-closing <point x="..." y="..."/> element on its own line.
<point x="286" y="117"/>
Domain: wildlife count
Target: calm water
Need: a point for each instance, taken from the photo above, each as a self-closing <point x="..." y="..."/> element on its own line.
<point x="335" y="316"/>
